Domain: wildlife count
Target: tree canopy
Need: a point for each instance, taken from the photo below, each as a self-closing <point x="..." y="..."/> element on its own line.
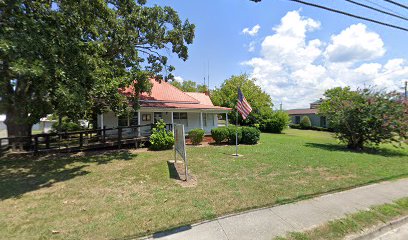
<point x="189" y="86"/>
<point x="70" y="57"/>
<point x="227" y="96"/>
<point x="366" y="116"/>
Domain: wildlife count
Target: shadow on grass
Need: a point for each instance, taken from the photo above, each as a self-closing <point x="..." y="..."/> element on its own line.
<point x="374" y="151"/>
<point x="21" y="174"/>
<point x="159" y="234"/>
<point x="173" y="171"/>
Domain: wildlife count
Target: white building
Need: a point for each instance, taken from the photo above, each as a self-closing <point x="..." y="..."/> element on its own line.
<point x="194" y="110"/>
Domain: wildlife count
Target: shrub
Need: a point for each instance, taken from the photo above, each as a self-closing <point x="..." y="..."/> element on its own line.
<point x="161" y="139"/>
<point x="196" y="135"/>
<point x="276" y="123"/>
<point x="305" y="122"/>
<point x="231" y="134"/>
<point x="250" y="135"/>
<point x="297" y="126"/>
<point x="366" y="116"/>
<point x="66" y="126"/>
<point x="219" y="134"/>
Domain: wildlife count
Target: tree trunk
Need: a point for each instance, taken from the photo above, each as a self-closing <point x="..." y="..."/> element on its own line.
<point x="17" y="126"/>
<point x="355" y="144"/>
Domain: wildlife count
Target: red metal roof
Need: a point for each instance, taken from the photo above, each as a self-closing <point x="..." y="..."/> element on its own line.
<point x="163" y="91"/>
<point x="165" y="95"/>
<point x="302" y="111"/>
<point x="182" y="106"/>
<point x="201" y="97"/>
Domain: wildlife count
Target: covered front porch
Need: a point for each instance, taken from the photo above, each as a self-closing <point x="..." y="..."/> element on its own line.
<point x="205" y="119"/>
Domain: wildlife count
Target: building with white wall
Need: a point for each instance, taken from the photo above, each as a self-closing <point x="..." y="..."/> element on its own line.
<point x="192" y="109"/>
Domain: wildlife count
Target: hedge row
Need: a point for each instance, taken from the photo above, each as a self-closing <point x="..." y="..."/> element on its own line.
<point x="298" y="126"/>
<point x="246" y="135"/>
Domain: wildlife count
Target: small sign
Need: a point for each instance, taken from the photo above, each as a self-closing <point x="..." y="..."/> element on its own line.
<point x="180" y="145"/>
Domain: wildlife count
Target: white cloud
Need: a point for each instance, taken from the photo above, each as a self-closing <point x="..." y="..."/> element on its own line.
<point x="355" y="43"/>
<point x="253" y="31"/>
<point x="178" y="79"/>
<point x="296" y="70"/>
<point x="251" y="46"/>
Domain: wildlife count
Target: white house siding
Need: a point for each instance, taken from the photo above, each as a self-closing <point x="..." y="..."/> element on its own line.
<point x="3" y="130"/>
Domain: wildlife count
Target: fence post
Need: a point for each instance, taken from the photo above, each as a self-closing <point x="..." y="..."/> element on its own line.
<point x="119" y="136"/>
<point x="103" y="135"/>
<point x="47" y="141"/>
<point x="35" y="144"/>
<point x="1" y="148"/>
<point x="21" y="144"/>
<point x="81" y="140"/>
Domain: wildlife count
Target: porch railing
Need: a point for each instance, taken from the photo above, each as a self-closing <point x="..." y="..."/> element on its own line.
<point x="79" y="140"/>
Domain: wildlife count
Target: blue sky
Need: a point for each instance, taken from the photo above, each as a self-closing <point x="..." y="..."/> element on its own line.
<point x="220" y="41"/>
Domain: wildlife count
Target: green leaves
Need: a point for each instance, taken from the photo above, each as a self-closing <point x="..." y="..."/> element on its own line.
<point x="74" y="55"/>
<point x="227" y="96"/>
<point x="366" y="116"/>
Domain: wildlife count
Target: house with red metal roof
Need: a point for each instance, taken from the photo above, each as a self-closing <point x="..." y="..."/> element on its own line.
<point x="192" y="109"/>
<point x="313" y="113"/>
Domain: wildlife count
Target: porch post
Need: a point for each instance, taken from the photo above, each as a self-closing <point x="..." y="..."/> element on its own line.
<point x="226" y="119"/>
<point x="172" y="121"/>
<point x="101" y="115"/>
<point x="201" y="120"/>
<point x="138" y="123"/>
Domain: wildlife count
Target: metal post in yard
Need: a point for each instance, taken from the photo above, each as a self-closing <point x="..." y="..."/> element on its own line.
<point x="236" y="136"/>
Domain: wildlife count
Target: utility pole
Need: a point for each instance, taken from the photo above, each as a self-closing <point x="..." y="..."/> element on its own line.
<point x="405" y="94"/>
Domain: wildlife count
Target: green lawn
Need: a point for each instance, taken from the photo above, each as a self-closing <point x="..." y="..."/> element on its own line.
<point x="127" y="193"/>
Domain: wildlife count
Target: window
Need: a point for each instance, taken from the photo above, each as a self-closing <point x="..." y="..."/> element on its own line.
<point x="180" y="115"/>
<point x="205" y="119"/>
<point x="133" y="120"/>
<point x="123" y="121"/>
<point x="180" y="118"/>
<point x="297" y="119"/>
<point x="146" y="117"/>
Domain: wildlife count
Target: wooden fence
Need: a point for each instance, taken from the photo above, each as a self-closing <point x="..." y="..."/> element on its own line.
<point x="80" y="140"/>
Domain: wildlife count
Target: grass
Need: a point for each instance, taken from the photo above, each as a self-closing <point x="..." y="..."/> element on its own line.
<point x="124" y="194"/>
<point x="354" y="223"/>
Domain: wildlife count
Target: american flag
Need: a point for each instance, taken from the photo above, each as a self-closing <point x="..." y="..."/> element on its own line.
<point x="243" y="106"/>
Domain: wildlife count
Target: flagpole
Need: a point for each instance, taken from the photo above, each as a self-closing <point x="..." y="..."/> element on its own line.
<point x="236" y="135"/>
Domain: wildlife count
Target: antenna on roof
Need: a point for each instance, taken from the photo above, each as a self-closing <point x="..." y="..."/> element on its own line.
<point x="204" y="73"/>
<point x="208" y="78"/>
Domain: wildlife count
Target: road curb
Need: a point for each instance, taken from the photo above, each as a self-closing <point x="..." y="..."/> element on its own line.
<point x="379" y="230"/>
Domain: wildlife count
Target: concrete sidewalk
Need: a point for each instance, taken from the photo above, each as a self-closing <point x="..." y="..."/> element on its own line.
<point x="268" y="223"/>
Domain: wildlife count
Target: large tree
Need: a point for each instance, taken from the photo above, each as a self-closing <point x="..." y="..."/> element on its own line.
<point x="366" y="116"/>
<point x="189" y="86"/>
<point x="70" y="57"/>
<point x="227" y="96"/>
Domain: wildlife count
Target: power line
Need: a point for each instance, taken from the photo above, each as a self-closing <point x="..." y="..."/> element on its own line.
<point x="397" y="3"/>
<point x="351" y="15"/>
<point x="376" y="9"/>
<point x="381" y="6"/>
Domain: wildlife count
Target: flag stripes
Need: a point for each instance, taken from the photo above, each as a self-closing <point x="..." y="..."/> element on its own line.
<point x="243" y="106"/>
